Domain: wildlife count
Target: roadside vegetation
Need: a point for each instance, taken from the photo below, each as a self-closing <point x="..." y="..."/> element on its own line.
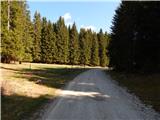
<point x="145" y="86"/>
<point x="27" y="88"/>
<point x="134" y="49"/>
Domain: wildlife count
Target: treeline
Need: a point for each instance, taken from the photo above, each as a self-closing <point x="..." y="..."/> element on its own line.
<point x="42" y="41"/>
<point x="135" y="37"/>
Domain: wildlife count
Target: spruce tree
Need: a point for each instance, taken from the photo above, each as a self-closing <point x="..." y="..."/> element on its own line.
<point x="28" y="38"/>
<point x="73" y="45"/>
<point x="95" y="51"/>
<point x="37" y="37"/>
<point x="44" y="41"/>
<point x="14" y="14"/>
<point x="102" y="48"/>
<point x="62" y="36"/>
<point x="47" y="42"/>
<point x="82" y="46"/>
<point x="88" y="38"/>
<point x="6" y="42"/>
<point x="136" y="46"/>
<point x="107" y="41"/>
<point x="52" y="43"/>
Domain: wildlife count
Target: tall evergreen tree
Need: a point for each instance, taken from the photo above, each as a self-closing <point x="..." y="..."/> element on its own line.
<point x="102" y="48"/>
<point x="44" y="41"/>
<point x="6" y="42"/>
<point x="136" y="46"/>
<point x="107" y="41"/>
<point x="62" y="36"/>
<point x="14" y="14"/>
<point x="47" y="42"/>
<point x="95" y="51"/>
<point x="37" y="37"/>
<point x="73" y="45"/>
<point x="28" y="38"/>
<point x="88" y="38"/>
<point x="82" y="46"/>
<point x="52" y="43"/>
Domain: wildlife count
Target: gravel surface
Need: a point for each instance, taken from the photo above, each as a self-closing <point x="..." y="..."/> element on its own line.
<point x="92" y="95"/>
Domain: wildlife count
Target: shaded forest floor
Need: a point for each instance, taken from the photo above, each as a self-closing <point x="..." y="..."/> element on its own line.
<point x="145" y="86"/>
<point x="27" y="87"/>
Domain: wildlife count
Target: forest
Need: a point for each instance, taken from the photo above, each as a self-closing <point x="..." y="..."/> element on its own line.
<point x="42" y="41"/>
<point x="135" y="38"/>
<point x="43" y="61"/>
<point x="132" y="45"/>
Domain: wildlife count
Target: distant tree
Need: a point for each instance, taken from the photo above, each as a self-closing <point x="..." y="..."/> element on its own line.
<point x="107" y="41"/>
<point x="82" y="45"/>
<point x="95" y="51"/>
<point x="28" y="38"/>
<point x="52" y="43"/>
<point x="86" y="41"/>
<point x="89" y="37"/>
<point x="102" y="48"/>
<point x="47" y="42"/>
<point x="73" y="45"/>
<point x="62" y="36"/>
<point x="44" y="42"/>
<point x="37" y="37"/>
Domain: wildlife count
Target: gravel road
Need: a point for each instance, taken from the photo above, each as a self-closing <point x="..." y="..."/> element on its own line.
<point x="92" y="95"/>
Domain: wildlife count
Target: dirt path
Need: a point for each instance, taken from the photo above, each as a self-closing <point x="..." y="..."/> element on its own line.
<point x="94" y="96"/>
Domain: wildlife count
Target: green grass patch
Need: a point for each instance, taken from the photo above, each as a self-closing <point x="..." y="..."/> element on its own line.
<point x="51" y="77"/>
<point x="145" y="86"/>
<point x="17" y="107"/>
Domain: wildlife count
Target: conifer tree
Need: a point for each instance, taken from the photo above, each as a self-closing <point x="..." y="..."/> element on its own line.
<point x="135" y="47"/>
<point x="47" y="42"/>
<point x="82" y="46"/>
<point x="73" y="45"/>
<point x="37" y="37"/>
<point x="88" y="38"/>
<point x="44" y="41"/>
<point x="102" y="48"/>
<point x="52" y="43"/>
<point x="28" y="38"/>
<point x="62" y="36"/>
<point x="95" y="51"/>
<point x="13" y="37"/>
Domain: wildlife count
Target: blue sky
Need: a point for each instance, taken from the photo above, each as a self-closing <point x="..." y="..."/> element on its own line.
<point x="94" y="15"/>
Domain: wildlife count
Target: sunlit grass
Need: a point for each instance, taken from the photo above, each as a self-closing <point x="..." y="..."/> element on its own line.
<point x="27" y="87"/>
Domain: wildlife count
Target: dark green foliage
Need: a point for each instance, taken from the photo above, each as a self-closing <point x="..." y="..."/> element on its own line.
<point x="95" y="51"/>
<point x="102" y="48"/>
<point x="44" y="42"/>
<point x="62" y="38"/>
<point x="28" y="38"/>
<point x="13" y="34"/>
<point x="37" y="37"/>
<point x="82" y="46"/>
<point x="73" y="45"/>
<point x="47" y="42"/>
<point x="107" y="41"/>
<point x="135" y="37"/>
<point x="88" y="39"/>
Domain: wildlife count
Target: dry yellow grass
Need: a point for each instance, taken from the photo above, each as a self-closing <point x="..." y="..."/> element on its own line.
<point x="21" y="92"/>
<point x="21" y="86"/>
